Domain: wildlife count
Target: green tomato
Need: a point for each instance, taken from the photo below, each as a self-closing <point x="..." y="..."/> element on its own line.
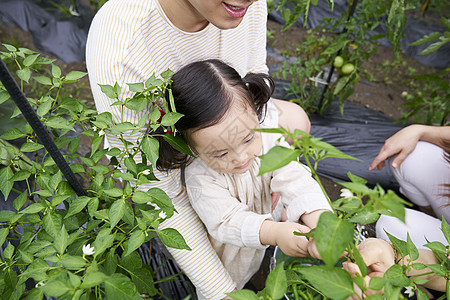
<point x="347" y="68"/>
<point x="338" y="61"/>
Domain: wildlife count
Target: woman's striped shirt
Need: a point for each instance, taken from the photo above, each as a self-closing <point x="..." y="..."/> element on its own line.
<point x="128" y="41"/>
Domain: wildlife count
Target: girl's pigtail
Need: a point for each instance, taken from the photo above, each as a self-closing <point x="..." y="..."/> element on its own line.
<point x="169" y="157"/>
<point x="261" y="87"/>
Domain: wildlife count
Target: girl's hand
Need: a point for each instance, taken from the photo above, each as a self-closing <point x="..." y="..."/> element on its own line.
<point x="281" y="234"/>
<point x="312" y="249"/>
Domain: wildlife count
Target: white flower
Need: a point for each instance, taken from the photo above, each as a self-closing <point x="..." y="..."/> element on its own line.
<point x="346" y="193"/>
<point x="154" y="205"/>
<point x="73" y="11"/>
<point x="102" y="132"/>
<point x="88" y="250"/>
<point x="409" y="291"/>
<point x="146" y="172"/>
<point x="162" y="215"/>
<point x="39" y="284"/>
<point x="404" y="94"/>
<point x="94" y="128"/>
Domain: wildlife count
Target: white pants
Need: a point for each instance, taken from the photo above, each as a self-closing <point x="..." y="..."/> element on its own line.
<point x="422" y="177"/>
<point x="420" y="226"/>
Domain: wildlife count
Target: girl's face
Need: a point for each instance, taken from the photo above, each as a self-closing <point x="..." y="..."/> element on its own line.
<point x="231" y="145"/>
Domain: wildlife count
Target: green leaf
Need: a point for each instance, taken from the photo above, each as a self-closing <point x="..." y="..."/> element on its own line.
<point x="9" y="251"/>
<point x="412" y="250"/>
<point x="75" y="75"/>
<point x="150" y="146"/>
<point x="29" y="60"/>
<point x="77" y="205"/>
<point x="335" y="283"/>
<point x="433" y="47"/>
<point x="52" y="224"/>
<point x="56" y="288"/>
<point x="31" y="147"/>
<point x="172" y="238"/>
<point x="61" y="241"/>
<point x="3" y="234"/>
<point x="72" y="262"/>
<point x="24" y="74"/>
<point x="121" y="128"/>
<point x="120" y="287"/>
<point x="332" y="236"/>
<point x="35" y="294"/>
<point x="276" y="282"/>
<point x="170" y="118"/>
<point x="21" y="175"/>
<point x="19" y="202"/>
<point x="367" y="215"/>
<point x="376" y="283"/>
<point x="131" y="165"/>
<point x="10" y="48"/>
<point x="4" y="96"/>
<point x="132" y="261"/>
<point x="93" y="279"/>
<point x="142" y="278"/>
<point x="140" y="197"/>
<point x="138" y="103"/>
<point x="33" y="208"/>
<point x="12" y="134"/>
<point x="43" y="80"/>
<point x="136" y="87"/>
<point x="426" y="39"/>
<point x="159" y="197"/>
<point x="26" y="257"/>
<point x="136" y="240"/>
<point x="437" y="269"/>
<point x="394" y="275"/>
<point x="398" y="244"/>
<point x="116" y="212"/>
<point x="178" y="143"/>
<point x="359" y="260"/>
<point x="103" y="241"/>
<point x="243" y="295"/>
<point x="44" y="106"/>
<point x="109" y="91"/>
<point x="445" y="229"/>
<point x="114" y="192"/>
<point x="56" y="71"/>
<point x="276" y="158"/>
<point x="59" y="122"/>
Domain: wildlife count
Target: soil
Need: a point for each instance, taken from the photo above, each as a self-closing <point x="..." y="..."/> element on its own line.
<point x="381" y="95"/>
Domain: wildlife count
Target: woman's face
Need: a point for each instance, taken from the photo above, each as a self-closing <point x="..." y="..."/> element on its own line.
<point x="231" y="145"/>
<point x="225" y="14"/>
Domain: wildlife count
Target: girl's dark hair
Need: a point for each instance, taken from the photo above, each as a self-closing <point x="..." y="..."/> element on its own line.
<point x="203" y="92"/>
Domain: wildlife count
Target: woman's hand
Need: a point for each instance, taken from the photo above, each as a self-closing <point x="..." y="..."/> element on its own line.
<point x="379" y="256"/>
<point x="401" y="143"/>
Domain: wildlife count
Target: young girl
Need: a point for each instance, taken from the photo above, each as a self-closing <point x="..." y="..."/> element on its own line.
<point x="220" y="110"/>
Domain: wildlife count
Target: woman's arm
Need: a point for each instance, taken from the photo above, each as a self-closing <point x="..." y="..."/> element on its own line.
<point x="404" y="141"/>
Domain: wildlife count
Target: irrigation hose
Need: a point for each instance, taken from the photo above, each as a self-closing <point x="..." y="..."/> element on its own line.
<point x="30" y="115"/>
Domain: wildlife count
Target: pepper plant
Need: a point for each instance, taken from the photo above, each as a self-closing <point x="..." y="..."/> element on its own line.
<point x="338" y="233"/>
<point x="59" y="244"/>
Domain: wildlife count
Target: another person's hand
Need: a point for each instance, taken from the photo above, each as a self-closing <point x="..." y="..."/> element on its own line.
<point x="379" y="256"/>
<point x="402" y="143"/>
